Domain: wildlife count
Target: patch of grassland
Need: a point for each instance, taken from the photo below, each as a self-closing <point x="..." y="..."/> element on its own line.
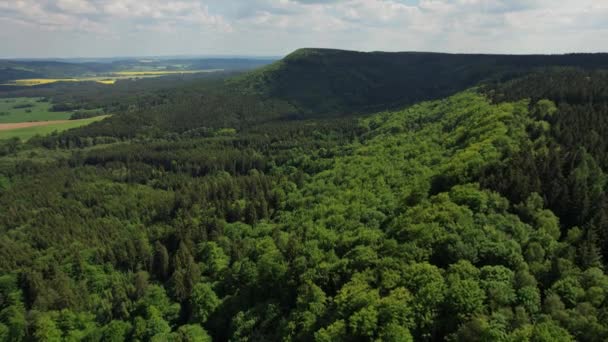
<point x="28" y="132"/>
<point x="26" y="109"/>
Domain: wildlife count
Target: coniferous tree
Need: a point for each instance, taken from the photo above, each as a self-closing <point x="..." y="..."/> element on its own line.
<point x="160" y="262"/>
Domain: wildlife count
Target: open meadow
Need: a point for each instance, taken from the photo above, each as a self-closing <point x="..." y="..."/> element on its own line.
<point x="26" y="109"/>
<point x="25" y="117"/>
<point x="27" y="130"/>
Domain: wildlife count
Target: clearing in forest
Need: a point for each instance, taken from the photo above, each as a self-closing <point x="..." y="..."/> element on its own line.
<point x="26" y="130"/>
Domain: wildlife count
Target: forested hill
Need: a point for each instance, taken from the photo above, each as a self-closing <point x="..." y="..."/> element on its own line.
<point x="380" y="229"/>
<point x="324" y="81"/>
<point x="200" y="213"/>
<point x="309" y="83"/>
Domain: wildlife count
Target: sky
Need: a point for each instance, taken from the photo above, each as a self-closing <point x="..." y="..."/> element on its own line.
<point x="107" y="28"/>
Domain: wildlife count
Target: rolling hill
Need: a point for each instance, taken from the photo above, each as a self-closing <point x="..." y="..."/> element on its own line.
<point x="324" y="81"/>
<point x="203" y="210"/>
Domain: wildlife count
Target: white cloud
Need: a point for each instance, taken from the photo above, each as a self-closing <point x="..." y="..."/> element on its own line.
<point x="76" y="6"/>
<point x="278" y="26"/>
<point x="158" y="13"/>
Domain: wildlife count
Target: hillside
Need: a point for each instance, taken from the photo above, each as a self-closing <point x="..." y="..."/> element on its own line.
<point x="321" y="81"/>
<point x="203" y="209"/>
<point x="332" y="231"/>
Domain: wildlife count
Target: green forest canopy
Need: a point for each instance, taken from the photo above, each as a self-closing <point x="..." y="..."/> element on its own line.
<point x="209" y="214"/>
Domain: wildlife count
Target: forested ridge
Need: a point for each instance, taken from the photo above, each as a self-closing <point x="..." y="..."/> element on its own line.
<point x="327" y="81"/>
<point x="209" y="211"/>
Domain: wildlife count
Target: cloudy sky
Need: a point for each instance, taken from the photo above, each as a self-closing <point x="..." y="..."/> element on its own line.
<point x="100" y="28"/>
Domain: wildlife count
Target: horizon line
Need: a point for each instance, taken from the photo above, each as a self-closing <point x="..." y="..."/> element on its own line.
<point x="280" y="56"/>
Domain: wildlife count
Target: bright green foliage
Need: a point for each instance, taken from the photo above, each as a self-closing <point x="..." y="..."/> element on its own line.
<point x="13" y="311"/>
<point x="215" y="259"/>
<point x="529" y="298"/>
<point x="311" y="305"/>
<point x="156" y="297"/>
<point x="549" y="332"/>
<point x="396" y="333"/>
<point x="203" y="301"/>
<point x="544" y="109"/>
<point x="156" y="326"/>
<point x="116" y="331"/>
<point x="45" y="328"/>
<point x="299" y="231"/>
<point x="190" y="333"/>
<point x="465" y="298"/>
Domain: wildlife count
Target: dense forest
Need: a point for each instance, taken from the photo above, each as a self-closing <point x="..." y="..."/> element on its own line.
<point x="325" y="81"/>
<point x="257" y="207"/>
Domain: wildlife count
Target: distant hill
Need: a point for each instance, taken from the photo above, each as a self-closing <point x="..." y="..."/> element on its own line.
<point x="11" y="70"/>
<point x="8" y="73"/>
<point x="23" y="69"/>
<point x="322" y="81"/>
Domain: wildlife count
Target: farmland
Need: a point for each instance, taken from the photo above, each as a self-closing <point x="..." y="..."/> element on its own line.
<point x="29" y="82"/>
<point x="24" y="117"/>
<point x="24" y="109"/>
<point x="8" y="131"/>
<point x="109" y="78"/>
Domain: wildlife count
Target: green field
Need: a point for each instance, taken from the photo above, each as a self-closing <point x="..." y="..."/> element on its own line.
<point x="28" y="132"/>
<point x="36" y="110"/>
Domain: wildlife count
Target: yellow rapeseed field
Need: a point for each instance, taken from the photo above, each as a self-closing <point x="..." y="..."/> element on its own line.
<point x="110" y="79"/>
<point x="40" y="81"/>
